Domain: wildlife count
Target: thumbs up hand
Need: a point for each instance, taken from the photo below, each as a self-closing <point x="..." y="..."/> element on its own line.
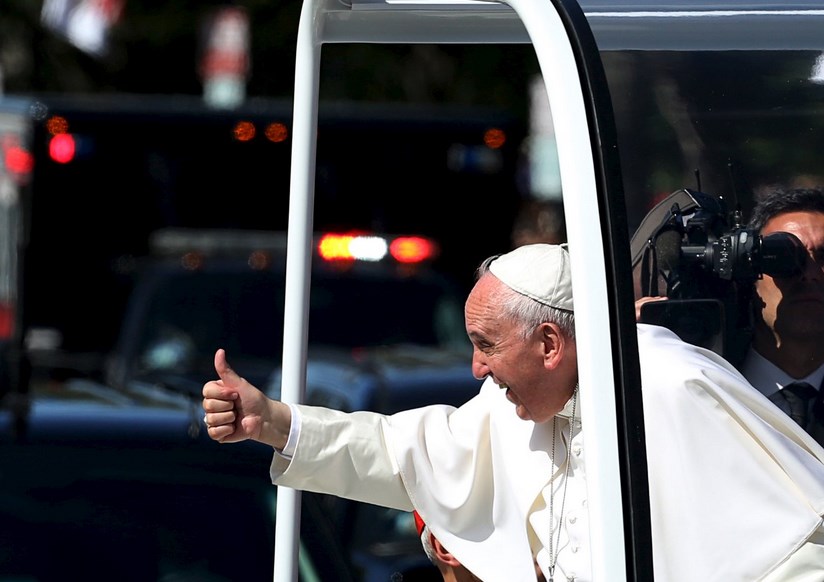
<point x="236" y="410"/>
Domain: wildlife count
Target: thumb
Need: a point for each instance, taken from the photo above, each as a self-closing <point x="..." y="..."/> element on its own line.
<point x="225" y="371"/>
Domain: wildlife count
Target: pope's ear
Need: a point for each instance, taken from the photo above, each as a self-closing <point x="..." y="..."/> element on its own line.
<point x="553" y="342"/>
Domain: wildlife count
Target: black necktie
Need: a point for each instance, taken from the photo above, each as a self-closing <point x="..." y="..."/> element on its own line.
<point x="806" y="406"/>
<point x="800" y="397"/>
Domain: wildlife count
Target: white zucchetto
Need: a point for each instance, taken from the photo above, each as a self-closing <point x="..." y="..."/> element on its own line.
<point x="540" y="271"/>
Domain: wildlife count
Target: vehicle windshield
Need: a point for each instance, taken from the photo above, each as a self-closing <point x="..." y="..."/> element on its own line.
<point x="191" y="314"/>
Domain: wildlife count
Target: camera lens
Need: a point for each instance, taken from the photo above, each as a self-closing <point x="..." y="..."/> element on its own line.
<point x="782" y="255"/>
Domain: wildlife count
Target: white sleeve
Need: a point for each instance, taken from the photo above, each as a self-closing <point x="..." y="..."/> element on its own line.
<point x="342" y="454"/>
<point x="294" y="434"/>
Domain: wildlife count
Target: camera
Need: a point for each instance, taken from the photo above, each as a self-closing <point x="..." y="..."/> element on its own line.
<point x="693" y="250"/>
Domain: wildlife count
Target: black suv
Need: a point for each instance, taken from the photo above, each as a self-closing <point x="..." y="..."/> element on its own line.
<point x="117" y="480"/>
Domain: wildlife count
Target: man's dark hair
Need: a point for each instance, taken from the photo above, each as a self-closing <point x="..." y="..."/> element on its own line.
<point x="781" y="201"/>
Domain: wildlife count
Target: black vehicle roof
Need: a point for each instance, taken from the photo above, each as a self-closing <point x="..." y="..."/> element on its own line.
<point x="704" y="25"/>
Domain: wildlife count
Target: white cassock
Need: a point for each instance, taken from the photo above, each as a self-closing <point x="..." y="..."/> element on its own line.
<point x="736" y="487"/>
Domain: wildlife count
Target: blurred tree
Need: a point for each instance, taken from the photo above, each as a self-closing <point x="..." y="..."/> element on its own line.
<point x="33" y="59"/>
<point x="155" y="49"/>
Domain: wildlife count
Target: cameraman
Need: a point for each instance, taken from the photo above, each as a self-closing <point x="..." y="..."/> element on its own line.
<point x="784" y="344"/>
<point x="788" y="312"/>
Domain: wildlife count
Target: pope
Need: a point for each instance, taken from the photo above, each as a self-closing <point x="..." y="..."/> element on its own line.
<point x="736" y="487"/>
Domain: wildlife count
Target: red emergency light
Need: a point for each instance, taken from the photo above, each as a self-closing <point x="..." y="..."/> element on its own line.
<point x="18" y="160"/>
<point x="412" y="249"/>
<point x="367" y="247"/>
<point x="62" y="148"/>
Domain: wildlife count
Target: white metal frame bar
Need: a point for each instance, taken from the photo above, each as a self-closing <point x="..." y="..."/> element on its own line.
<point x="461" y="21"/>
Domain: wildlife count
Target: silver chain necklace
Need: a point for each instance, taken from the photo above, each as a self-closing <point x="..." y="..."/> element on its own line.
<point x="554" y="549"/>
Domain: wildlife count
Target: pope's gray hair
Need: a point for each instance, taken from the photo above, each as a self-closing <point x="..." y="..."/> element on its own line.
<point x="526" y="312"/>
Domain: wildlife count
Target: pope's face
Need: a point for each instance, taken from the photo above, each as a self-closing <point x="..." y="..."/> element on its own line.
<point x="792" y="308"/>
<point x="500" y="351"/>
